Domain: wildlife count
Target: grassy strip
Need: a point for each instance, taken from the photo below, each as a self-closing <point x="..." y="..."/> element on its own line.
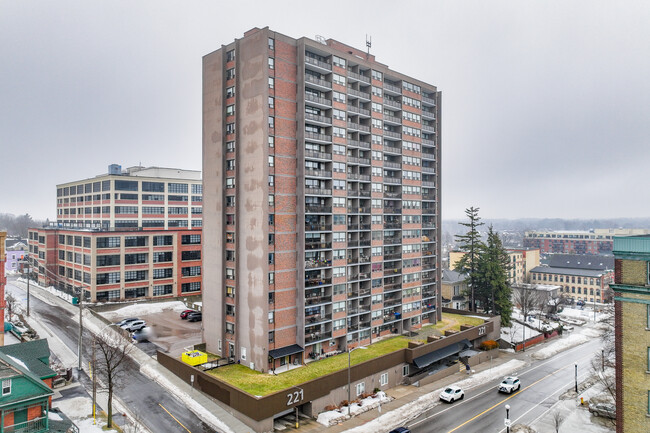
<point x="261" y="384"/>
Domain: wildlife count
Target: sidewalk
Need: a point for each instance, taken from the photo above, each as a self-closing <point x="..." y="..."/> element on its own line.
<point x="203" y="406"/>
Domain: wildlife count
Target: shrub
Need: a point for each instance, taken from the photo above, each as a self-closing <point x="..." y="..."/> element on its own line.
<point x="488" y="345"/>
<point x="330" y="408"/>
<point x="344" y="403"/>
<point x="376" y="390"/>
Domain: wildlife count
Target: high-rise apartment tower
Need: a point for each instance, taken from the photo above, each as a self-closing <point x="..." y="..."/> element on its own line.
<point x="321" y="177"/>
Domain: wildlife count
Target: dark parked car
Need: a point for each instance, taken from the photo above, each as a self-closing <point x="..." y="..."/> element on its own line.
<point x="401" y="430"/>
<point x="186" y="312"/>
<point x="195" y="316"/>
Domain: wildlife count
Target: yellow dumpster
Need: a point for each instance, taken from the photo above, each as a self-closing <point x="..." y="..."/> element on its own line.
<point x="194" y="357"/>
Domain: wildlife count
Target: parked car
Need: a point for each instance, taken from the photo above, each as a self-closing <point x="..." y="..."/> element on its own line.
<point x="196" y="316"/>
<point x="135" y="325"/>
<point x="142" y="334"/>
<point x="186" y="312"/>
<point x="123" y="322"/>
<point x="509" y="384"/>
<point x="607" y="410"/>
<point x="452" y="393"/>
<point x="401" y="430"/>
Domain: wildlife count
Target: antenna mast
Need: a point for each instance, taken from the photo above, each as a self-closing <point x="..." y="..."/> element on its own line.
<point x="368" y="44"/>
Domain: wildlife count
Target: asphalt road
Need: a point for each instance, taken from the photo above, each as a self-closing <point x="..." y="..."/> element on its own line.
<point x="483" y="408"/>
<point x="154" y="406"/>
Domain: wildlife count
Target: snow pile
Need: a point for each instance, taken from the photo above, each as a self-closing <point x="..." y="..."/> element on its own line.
<point x="515" y="334"/>
<point x="79" y="410"/>
<point x="54" y="416"/>
<point x="144" y="309"/>
<point x="193" y="405"/>
<point x="586" y="314"/>
<point x="333" y="417"/>
<point x="565" y="343"/>
<point x="411" y="410"/>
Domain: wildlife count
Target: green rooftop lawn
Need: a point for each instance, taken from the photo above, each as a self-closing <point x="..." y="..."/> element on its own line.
<point x="261" y="384"/>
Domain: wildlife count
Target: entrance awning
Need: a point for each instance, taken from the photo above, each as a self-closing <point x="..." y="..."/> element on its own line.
<point x="285" y="351"/>
<point x="437" y="355"/>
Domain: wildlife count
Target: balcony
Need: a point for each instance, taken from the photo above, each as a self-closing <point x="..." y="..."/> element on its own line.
<point x="315" y="300"/>
<point x="393" y="210"/>
<point x="431" y="170"/>
<point x="428" y="211"/>
<point x="315" y="282"/>
<point x="317" y="263"/>
<point x="358" y="77"/>
<point x="359" y="94"/>
<point x="317" y="336"/>
<point x="317" y="136"/>
<point x="392" y="287"/>
<point x="317" y="173"/>
<point x="318" y="155"/>
<point x="318" y="227"/>
<point x="318" y="118"/>
<point x="429" y="114"/>
<point x="392" y="103"/>
<point x="392" y="88"/>
<point x="318" y="209"/>
<point x="392" y="302"/>
<point x="359" y="110"/>
<point x="35" y="425"/>
<point x="318" y="245"/>
<point x="428" y="142"/>
<point x="358" y="127"/>
<point x="318" y="100"/>
<point x="428" y="183"/>
<point x="392" y="119"/>
<point x="358" y="210"/>
<point x="317" y="81"/>
<point x="318" y="191"/>
<point x="393" y="256"/>
<point x="353" y="226"/>
<point x="428" y="100"/>
<point x="393" y="180"/>
<point x="357" y="143"/>
<point x="392" y="225"/>
<point x="429" y="128"/>
<point x="393" y="240"/>
<point x="392" y="134"/>
<point x="391" y="164"/>
<point x="316" y="62"/>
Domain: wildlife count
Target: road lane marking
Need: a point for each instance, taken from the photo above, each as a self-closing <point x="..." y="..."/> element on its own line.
<point x="513" y="395"/>
<point x="491" y="389"/>
<point x="179" y="423"/>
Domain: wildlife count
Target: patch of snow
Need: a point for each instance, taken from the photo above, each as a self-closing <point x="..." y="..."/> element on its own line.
<point x="187" y="399"/>
<point x="333" y="417"/>
<point x="144" y="309"/>
<point x="411" y="410"/>
<point x="564" y="344"/>
<point x="54" y="416"/>
<point x="19" y="362"/>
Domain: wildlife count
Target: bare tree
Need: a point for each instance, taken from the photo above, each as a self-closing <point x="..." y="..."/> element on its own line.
<point x="112" y="351"/>
<point x="557" y="419"/>
<point x="527" y="300"/>
<point x="11" y="303"/>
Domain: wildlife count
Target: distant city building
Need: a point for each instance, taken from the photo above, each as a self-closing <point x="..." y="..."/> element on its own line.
<point x="520" y="259"/>
<point x="321" y="170"/>
<point x="118" y="265"/>
<point x="453" y="289"/>
<point x="581" y="277"/>
<point x="138" y="197"/>
<point x="597" y="241"/>
<point x="632" y="333"/>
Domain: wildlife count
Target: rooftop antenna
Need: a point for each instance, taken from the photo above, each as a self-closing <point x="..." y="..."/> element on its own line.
<point x="368" y="44"/>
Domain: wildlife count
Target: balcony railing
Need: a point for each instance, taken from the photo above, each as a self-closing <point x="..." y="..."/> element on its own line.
<point x="318" y="100"/>
<point x="353" y="109"/>
<point x="318" y="81"/>
<point x="391" y="149"/>
<point x="318" y="227"/>
<point x="429" y="128"/>
<point x="392" y="119"/>
<point x="392" y="164"/>
<point x="317" y="263"/>
<point x="317" y="336"/>
<point x="390" y="209"/>
<point x="316" y="154"/>
<point x="314" y="300"/>
<point x="358" y="143"/>
<point x="428" y="113"/>
<point x="392" y="103"/>
<point x="35" y="425"/>
<point x="313" y="282"/>
<point x="358" y="77"/>
<point x="318" y="63"/>
<point x="318" y="118"/>
<point x="318" y="245"/>
<point x="392" y="225"/>
<point x="428" y="142"/>
<point x="318" y="209"/>
<point x="317" y="173"/>
<point x="358" y="93"/>
<point x="428" y="100"/>
<point x="318" y="191"/>
<point x="393" y="240"/>
<point x="392" y="88"/>
<point x="393" y="180"/>
<point x="317" y="136"/>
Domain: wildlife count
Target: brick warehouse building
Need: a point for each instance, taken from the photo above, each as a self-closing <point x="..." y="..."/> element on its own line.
<point x="321" y="169"/>
<point x="632" y="332"/>
<point x="597" y="241"/>
<point x="118" y="265"/>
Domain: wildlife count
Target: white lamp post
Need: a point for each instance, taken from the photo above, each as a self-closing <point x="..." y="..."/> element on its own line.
<point x="349" y="365"/>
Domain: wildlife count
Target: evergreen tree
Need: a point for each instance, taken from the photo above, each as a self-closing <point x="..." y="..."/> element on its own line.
<point x="471" y="244"/>
<point x="492" y="288"/>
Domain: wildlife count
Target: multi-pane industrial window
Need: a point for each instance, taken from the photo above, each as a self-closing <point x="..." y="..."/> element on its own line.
<point x="177" y="188"/>
<point x="77" y="258"/>
<point x="411" y="102"/>
<point x="126" y="185"/>
<point x="271" y="63"/>
<point x="135" y="275"/>
<point x="135" y="292"/>
<point x="138" y="258"/>
<point x="162" y="273"/>
<point x="230" y="74"/>
<point x="191" y="239"/>
<point x="191" y="287"/>
<point x="271" y="82"/>
<point x="61" y="255"/>
<point x="110" y="242"/>
<point x="108" y="278"/>
<point x="177" y="211"/>
<point x="153" y="186"/>
<point x="153" y="210"/>
<point x="164" y="289"/>
<point x="151" y="197"/>
<point x="162" y="256"/>
<point x="191" y="271"/>
<point x="121" y="210"/>
<point x="191" y="255"/>
<point x="411" y="87"/>
<point x="136" y="241"/>
<point x="230" y="55"/>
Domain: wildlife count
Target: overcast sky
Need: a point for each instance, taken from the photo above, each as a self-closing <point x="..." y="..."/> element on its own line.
<point x="545" y="113"/>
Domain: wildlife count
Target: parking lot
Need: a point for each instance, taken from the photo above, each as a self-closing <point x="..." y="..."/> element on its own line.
<point x="169" y="333"/>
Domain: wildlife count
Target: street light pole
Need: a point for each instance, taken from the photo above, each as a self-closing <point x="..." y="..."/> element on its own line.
<point x="28" y="269"/>
<point x="349" y="382"/>
<point x="94" y="379"/>
<point x="576" y="376"/>
<point x="507" y="418"/>
<point x="81" y="328"/>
